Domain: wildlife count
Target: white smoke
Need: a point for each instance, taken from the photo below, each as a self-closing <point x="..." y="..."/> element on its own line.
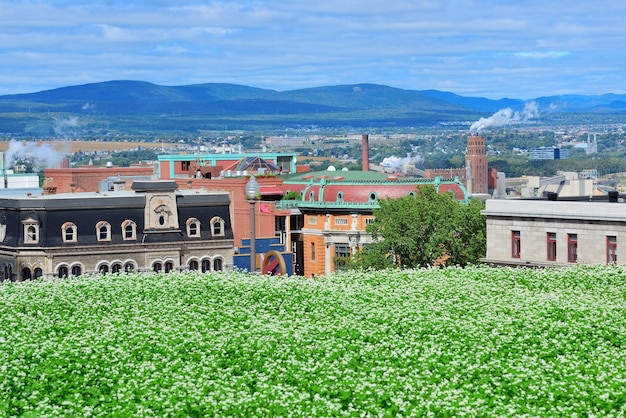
<point x="62" y="127"/>
<point x="41" y="155"/>
<point x="506" y="117"/>
<point x="398" y="164"/>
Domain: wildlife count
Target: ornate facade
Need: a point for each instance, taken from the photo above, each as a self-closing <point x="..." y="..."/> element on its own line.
<point x="154" y="227"/>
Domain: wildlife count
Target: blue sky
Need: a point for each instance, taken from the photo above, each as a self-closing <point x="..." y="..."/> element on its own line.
<point x="495" y="49"/>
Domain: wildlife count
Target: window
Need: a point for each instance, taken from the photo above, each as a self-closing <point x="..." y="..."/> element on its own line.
<point x="129" y="267"/>
<point x="342" y="250"/>
<point x="169" y="266"/>
<point x="373" y="196"/>
<point x="342" y="255"/>
<point x="193" y="265"/>
<point x="157" y="267"/>
<point x="369" y="221"/>
<point x="572" y="248"/>
<point x="341" y="221"/>
<point x="611" y="250"/>
<point x="69" y="232"/>
<point x="103" y="231"/>
<point x="551" y="246"/>
<point x="516" y="244"/>
<point x="116" y="267"/>
<point x="103" y="269"/>
<point x="193" y="228"/>
<point x="217" y="226"/>
<point x="218" y="264"/>
<point x="312" y="251"/>
<point x="38" y="272"/>
<point x="77" y="270"/>
<point x="340" y="197"/>
<point x="63" y="272"/>
<point x="31" y="231"/>
<point x="129" y="230"/>
<point x="26" y="274"/>
<point x="312" y="220"/>
<point x="206" y="265"/>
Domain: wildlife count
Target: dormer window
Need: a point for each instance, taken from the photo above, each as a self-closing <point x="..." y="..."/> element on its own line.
<point x="217" y="226"/>
<point x="193" y="228"/>
<point x="340" y="197"/>
<point x="129" y="230"/>
<point x="31" y="231"/>
<point x="69" y="232"/>
<point x="103" y="231"/>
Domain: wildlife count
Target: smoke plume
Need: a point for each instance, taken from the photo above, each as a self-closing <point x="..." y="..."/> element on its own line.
<point x="507" y="117"/>
<point x="41" y="155"/>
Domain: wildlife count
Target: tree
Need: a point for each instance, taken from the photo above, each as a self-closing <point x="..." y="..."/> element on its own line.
<point x="428" y="229"/>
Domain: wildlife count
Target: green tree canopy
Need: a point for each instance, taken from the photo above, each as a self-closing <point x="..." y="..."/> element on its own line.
<point x="428" y="229"/>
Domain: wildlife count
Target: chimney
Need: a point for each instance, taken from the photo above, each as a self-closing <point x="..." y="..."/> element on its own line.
<point x="49" y="186"/>
<point x="365" y="156"/>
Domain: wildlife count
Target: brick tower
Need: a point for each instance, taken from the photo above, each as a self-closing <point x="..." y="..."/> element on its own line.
<point x="476" y="165"/>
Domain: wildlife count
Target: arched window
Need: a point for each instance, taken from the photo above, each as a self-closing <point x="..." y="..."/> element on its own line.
<point x="169" y="266"/>
<point x="69" y="232"/>
<point x="206" y="265"/>
<point x="63" y="272"/>
<point x="193" y="265"/>
<point x="116" y="267"/>
<point x="77" y="270"/>
<point x="103" y="269"/>
<point x="129" y="266"/>
<point x="38" y="272"/>
<point x="31" y="231"/>
<point x="218" y="264"/>
<point x="129" y="230"/>
<point x="340" y="197"/>
<point x="26" y="274"/>
<point x="157" y="267"/>
<point x="217" y="227"/>
<point x="373" y="196"/>
<point x="103" y="231"/>
<point x="193" y="228"/>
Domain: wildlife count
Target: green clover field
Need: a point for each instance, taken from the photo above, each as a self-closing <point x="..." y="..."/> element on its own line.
<point x="479" y="341"/>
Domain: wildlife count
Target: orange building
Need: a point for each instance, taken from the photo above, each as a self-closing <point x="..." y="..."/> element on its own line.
<point x="335" y="210"/>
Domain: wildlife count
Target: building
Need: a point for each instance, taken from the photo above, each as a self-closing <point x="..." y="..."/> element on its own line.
<point x="153" y="227"/>
<point x="549" y="153"/>
<point x="329" y="224"/>
<point x="93" y="178"/>
<point x="475" y="175"/>
<point x="555" y="232"/>
<point x="219" y="165"/>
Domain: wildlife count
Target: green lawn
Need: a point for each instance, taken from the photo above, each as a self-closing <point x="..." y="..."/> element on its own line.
<point x="448" y="342"/>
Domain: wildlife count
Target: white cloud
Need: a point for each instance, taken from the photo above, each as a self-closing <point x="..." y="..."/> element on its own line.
<point x="501" y="49"/>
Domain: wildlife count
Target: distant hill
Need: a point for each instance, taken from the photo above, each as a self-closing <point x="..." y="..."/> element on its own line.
<point x="136" y="106"/>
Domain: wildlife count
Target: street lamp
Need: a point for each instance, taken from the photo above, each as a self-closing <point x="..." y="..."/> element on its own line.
<point x="252" y="191"/>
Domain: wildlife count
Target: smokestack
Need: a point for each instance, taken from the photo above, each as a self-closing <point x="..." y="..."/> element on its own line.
<point x="365" y="156"/>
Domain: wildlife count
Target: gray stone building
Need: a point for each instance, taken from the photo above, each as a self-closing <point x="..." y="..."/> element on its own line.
<point x="153" y="227"/>
<point x="545" y="232"/>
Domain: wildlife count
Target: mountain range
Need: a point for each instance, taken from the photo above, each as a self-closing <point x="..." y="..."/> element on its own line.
<point x="137" y="106"/>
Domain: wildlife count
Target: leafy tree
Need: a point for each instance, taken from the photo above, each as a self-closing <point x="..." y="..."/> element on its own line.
<point x="429" y="229"/>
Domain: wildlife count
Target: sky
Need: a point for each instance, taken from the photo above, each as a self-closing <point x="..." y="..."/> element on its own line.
<point x="494" y="49"/>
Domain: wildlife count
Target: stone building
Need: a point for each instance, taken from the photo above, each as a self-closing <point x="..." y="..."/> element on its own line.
<point x="551" y="232"/>
<point x="154" y="227"/>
